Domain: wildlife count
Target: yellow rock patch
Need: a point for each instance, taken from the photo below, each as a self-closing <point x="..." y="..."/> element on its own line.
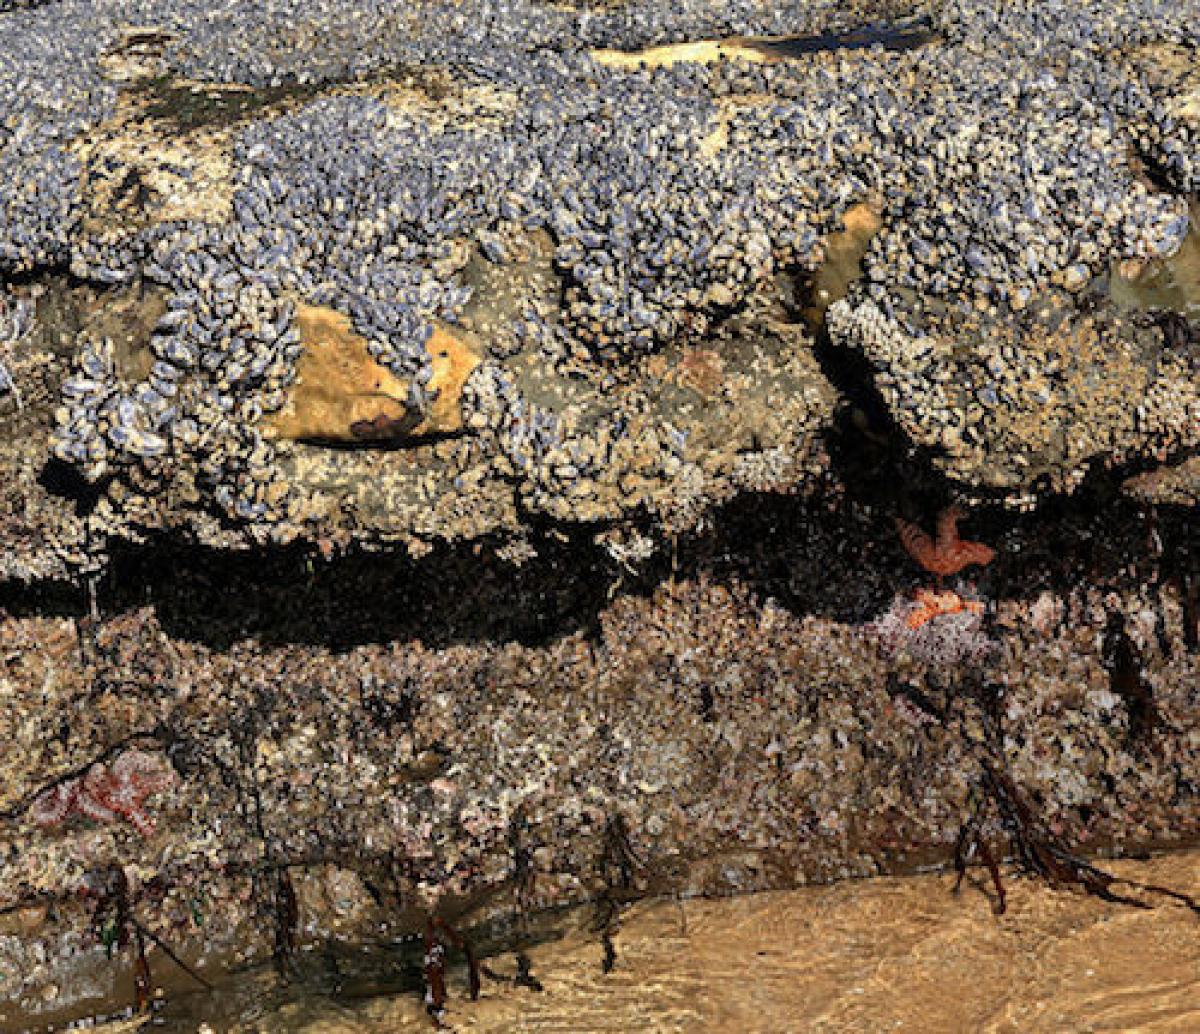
<point x="704" y="52"/>
<point x="453" y="360"/>
<point x="844" y="251"/>
<point x="342" y="394"/>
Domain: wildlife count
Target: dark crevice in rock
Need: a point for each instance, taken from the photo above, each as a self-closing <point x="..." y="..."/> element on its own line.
<point x="833" y="559"/>
<point x="911" y="34"/>
<point x="1128" y="681"/>
<point x="44" y="598"/>
<point x="464" y="593"/>
<point x="62" y="480"/>
<point x="31" y="276"/>
<point x="874" y="460"/>
<point x="191" y="106"/>
<point x="286" y="595"/>
<point x="1154" y="170"/>
<point x="877" y="463"/>
<point x="11" y="6"/>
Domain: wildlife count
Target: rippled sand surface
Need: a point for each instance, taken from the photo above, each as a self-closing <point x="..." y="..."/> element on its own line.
<point x="882" y="955"/>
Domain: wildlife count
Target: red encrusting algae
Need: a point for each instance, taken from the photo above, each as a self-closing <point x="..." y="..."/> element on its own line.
<point x="108" y="791"/>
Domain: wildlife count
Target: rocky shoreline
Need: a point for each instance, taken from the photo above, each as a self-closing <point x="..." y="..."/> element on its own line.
<point x="729" y="722"/>
<point x="435" y="485"/>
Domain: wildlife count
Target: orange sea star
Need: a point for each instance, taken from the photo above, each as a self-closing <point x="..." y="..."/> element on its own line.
<point x="947" y="554"/>
<point x="931" y="604"/>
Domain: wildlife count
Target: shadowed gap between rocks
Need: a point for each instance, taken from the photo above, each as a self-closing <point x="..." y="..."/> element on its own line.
<point x="188" y="105"/>
<point x="840" y="560"/>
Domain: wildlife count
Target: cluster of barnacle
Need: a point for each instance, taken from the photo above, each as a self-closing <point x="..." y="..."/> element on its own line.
<point x="269" y="42"/>
<point x="993" y="183"/>
<point x="223" y="350"/>
<point x="359" y="232"/>
<point x="1025" y="180"/>
<point x="358" y="206"/>
<point x="16" y="320"/>
<point x="998" y="175"/>
<point x="101" y="415"/>
<point x="532" y="439"/>
<point x="647" y="230"/>
<point x="50" y="91"/>
<point x="557" y="457"/>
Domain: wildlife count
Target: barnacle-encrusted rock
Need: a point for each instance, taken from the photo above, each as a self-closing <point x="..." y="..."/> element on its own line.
<point x="1029" y="401"/>
<point x="1177" y="484"/>
<point x="593" y="590"/>
<point x="1170" y="72"/>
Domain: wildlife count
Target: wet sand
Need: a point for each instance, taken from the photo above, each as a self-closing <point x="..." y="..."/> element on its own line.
<point x="900" y="954"/>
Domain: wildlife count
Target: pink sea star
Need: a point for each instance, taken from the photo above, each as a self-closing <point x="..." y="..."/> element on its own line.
<point x="108" y="791"/>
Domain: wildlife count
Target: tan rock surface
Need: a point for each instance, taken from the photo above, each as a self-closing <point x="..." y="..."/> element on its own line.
<point x="343" y="394"/>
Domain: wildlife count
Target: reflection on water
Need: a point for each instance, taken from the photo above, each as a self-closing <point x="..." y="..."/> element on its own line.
<point x="888" y="954"/>
<point x="902" y="36"/>
<point x="906" y="35"/>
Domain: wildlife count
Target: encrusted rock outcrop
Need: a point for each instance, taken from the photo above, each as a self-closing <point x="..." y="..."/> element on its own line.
<point x="442" y="472"/>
